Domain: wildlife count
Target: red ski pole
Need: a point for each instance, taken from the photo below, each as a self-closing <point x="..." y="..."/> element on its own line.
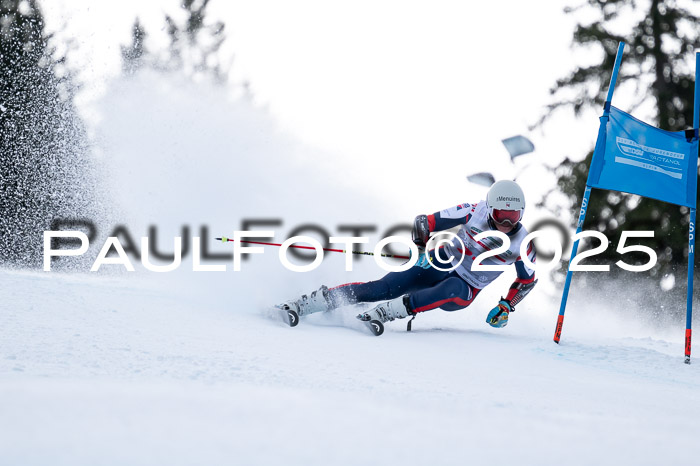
<point x="395" y="256"/>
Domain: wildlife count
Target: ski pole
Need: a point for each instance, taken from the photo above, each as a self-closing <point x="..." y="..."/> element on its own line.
<point x="395" y="256"/>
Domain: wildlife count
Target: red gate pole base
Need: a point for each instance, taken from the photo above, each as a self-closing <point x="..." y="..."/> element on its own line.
<point x="557" y="331"/>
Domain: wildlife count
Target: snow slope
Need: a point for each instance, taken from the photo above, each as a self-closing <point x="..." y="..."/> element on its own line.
<point x="193" y="368"/>
<point x="97" y="370"/>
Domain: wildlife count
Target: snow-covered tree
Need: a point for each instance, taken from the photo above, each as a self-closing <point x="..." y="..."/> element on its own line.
<point x="44" y="165"/>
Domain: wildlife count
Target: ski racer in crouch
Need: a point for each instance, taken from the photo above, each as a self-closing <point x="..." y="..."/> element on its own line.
<point x="423" y="287"/>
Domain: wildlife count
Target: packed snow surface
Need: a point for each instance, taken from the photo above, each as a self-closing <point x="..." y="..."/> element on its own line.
<point x="141" y="368"/>
<point x="97" y="370"/>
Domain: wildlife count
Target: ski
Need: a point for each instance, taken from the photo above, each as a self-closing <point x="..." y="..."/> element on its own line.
<point x="291" y="317"/>
<point x="288" y="315"/>
<point x="375" y="326"/>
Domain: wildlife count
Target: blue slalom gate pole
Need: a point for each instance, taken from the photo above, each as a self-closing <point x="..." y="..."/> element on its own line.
<point x="574" y="250"/>
<point x="691" y="226"/>
<point x="613" y="78"/>
<point x="587" y="192"/>
<point x="689" y="303"/>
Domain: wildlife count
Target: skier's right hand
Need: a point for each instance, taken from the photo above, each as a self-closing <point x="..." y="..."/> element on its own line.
<point x="420" y="234"/>
<point x="498" y="317"/>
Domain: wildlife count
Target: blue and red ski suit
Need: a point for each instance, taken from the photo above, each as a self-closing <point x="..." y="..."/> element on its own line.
<point x="432" y="288"/>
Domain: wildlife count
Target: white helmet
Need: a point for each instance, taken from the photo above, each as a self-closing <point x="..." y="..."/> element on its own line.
<point x="506" y="202"/>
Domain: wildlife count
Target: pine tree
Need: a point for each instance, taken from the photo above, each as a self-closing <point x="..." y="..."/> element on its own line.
<point x="44" y="169"/>
<point x="659" y="63"/>
<point x="133" y="55"/>
<point x="196" y="43"/>
<point x="193" y="46"/>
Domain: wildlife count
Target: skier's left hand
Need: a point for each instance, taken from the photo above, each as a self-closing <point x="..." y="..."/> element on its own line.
<point x="498" y="317"/>
<point x="423" y="259"/>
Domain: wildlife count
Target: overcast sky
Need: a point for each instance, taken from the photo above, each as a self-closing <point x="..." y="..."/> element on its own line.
<point x="378" y="80"/>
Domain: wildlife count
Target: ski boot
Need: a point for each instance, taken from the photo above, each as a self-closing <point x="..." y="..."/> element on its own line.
<point x="316" y="301"/>
<point x="388" y="311"/>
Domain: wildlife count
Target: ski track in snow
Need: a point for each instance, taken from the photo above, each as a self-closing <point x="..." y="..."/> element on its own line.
<point x="104" y="370"/>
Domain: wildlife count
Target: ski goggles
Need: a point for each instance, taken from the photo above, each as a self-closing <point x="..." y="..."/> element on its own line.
<point x="506" y="216"/>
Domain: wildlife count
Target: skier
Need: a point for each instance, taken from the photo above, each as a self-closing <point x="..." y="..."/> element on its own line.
<point x="424" y="287"/>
